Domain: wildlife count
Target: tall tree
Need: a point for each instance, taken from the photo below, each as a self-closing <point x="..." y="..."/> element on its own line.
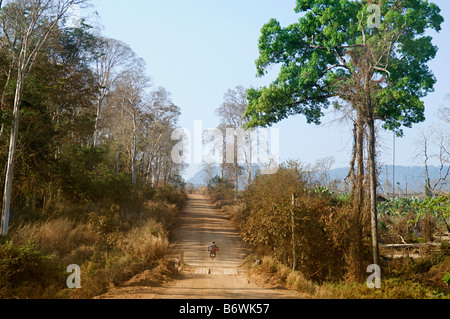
<point x="113" y="60"/>
<point x="56" y="109"/>
<point x="131" y="91"/>
<point x="163" y="117"/>
<point x="30" y="25"/>
<point x="231" y="113"/>
<point x="334" y="54"/>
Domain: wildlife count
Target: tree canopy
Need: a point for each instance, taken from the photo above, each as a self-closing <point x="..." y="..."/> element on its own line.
<point x="324" y="56"/>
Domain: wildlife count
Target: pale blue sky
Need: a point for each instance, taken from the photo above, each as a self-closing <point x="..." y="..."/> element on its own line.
<point x="198" y="49"/>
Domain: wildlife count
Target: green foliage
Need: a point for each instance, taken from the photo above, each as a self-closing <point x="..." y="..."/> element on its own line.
<point x="312" y="51"/>
<point x="147" y="192"/>
<point x="177" y="181"/>
<point x="438" y="207"/>
<point x="338" y="198"/>
<point x="398" y="206"/>
<point x="55" y="112"/>
<point x="20" y="265"/>
<point x="105" y="220"/>
<point x="415" y="220"/>
<point x="446" y="278"/>
<point x="85" y="176"/>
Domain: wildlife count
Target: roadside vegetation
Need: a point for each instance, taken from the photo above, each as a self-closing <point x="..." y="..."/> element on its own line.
<point x="111" y="239"/>
<point x="307" y="246"/>
<point x="302" y="230"/>
<point x="85" y="155"/>
<point x="88" y="177"/>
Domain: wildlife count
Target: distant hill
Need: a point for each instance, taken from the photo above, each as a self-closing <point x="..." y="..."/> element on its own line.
<point x="199" y="179"/>
<point x="410" y="178"/>
<point x="407" y="178"/>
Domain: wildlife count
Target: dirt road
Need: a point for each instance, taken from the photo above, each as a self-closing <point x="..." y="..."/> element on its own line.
<point x="203" y="278"/>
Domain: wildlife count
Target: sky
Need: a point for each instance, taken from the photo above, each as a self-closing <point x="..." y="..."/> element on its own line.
<point x="198" y="49"/>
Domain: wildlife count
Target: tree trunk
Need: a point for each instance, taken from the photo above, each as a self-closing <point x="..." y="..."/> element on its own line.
<point x="236" y="183"/>
<point x="133" y="151"/>
<point x="133" y="161"/>
<point x="249" y="164"/>
<point x="12" y="151"/>
<point x="8" y="79"/>
<point x="294" y="252"/>
<point x="356" y="246"/>
<point x="224" y="157"/>
<point x="118" y="161"/>
<point x="97" y="121"/>
<point x="236" y="168"/>
<point x="25" y="64"/>
<point x="373" y="186"/>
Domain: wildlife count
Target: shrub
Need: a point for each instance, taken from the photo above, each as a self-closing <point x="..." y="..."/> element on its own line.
<point x="221" y="190"/>
<point x="107" y="184"/>
<point x="111" y="246"/>
<point x="171" y="195"/>
<point x="146" y="243"/>
<point x="25" y="266"/>
<point x="135" y="251"/>
<point x="161" y="212"/>
<point x="297" y="281"/>
<point x="413" y="219"/>
<point x="319" y="232"/>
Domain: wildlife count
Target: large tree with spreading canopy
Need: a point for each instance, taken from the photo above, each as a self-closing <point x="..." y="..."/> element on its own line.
<point x="368" y="56"/>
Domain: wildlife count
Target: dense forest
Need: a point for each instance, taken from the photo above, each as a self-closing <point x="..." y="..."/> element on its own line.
<point x="84" y="144"/>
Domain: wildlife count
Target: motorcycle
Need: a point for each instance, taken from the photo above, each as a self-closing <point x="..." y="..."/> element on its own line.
<point x="213" y="251"/>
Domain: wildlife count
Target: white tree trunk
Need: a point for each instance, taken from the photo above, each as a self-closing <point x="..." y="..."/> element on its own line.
<point x="97" y="121"/>
<point x="133" y="151"/>
<point x="12" y="151"/>
<point x="249" y="164"/>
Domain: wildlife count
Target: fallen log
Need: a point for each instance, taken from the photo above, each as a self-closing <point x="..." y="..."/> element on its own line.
<point x="402" y="246"/>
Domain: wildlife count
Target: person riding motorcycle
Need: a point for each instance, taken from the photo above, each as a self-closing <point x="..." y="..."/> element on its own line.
<point x="213" y="249"/>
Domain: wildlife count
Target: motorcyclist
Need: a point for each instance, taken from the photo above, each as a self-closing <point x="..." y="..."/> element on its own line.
<point x="212" y="249"/>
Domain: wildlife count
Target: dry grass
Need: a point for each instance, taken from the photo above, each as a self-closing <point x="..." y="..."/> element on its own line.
<point x="277" y="274"/>
<point x="164" y="213"/>
<point x="135" y="252"/>
<point x="146" y="243"/>
<point x="111" y="244"/>
<point x="66" y="240"/>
